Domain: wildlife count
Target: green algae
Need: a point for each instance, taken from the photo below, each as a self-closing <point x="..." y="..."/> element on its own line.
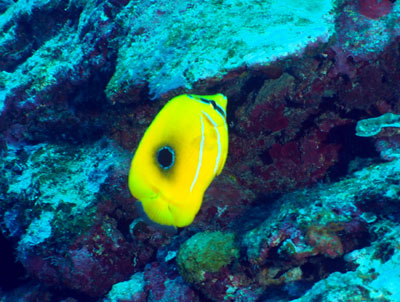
<point x="205" y="252"/>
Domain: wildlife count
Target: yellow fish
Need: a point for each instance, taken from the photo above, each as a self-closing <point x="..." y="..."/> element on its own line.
<point x="181" y="152"/>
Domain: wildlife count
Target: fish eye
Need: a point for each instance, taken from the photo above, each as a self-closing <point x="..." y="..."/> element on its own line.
<point x="166" y="157"/>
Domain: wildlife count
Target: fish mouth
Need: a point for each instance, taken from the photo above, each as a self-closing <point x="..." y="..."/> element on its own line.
<point x="159" y="209"/>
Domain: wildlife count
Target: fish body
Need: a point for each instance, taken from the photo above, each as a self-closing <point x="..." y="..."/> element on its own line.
<point x="181" y="152"/>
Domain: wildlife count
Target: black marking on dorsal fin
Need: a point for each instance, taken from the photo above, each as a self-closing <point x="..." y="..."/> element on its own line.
<point x="214" y="105"/>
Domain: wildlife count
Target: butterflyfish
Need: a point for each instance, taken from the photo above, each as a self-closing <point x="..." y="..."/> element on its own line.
<point x="181" y="152"/>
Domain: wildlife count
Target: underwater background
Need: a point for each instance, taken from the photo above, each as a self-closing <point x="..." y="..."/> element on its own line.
<point x="307" y="207"/>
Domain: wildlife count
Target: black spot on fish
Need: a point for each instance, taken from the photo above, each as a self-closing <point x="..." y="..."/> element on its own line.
<point x="166" y="157"/>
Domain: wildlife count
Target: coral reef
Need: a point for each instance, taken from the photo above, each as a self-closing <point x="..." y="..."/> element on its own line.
<point x="373" y="126"/>
<point x="187" y="58"/>
<point x="52" y="207"/>
<point x="375" y="277"/>
<point x="306" y="207"/>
